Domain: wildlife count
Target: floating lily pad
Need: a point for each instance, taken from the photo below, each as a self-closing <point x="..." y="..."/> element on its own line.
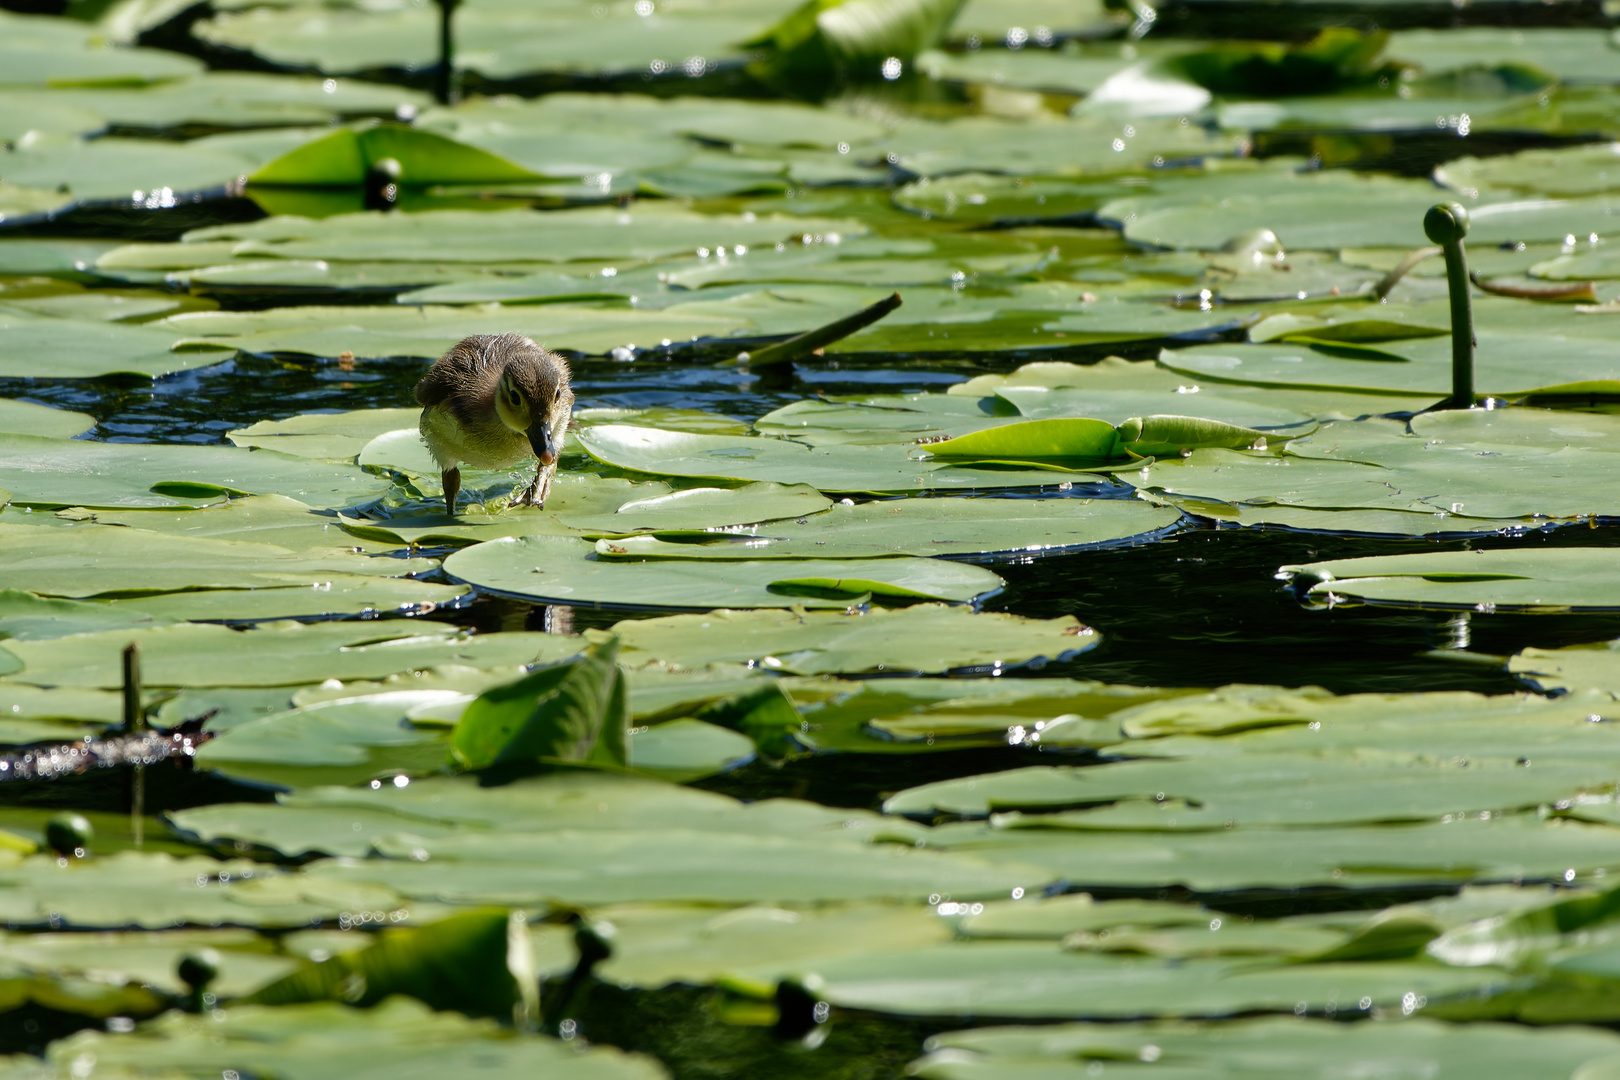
<point x="828" y="468"/>
<point x="561" y="570"/>
<point x="1573" y="171"/>
<point x="308" y="1040"/>
<point x="705" y="508"/>
<point x="928" y="638"/>
<point x="1029" y="980"/>
<point x="1218" y="792"/>
<point x="27" y="418"/>
<point x="1266" y="1048"/>
<point x="1563" y="365"/>
<point x="1557" y="579"/>
<point x="38" y="347"/>
<point x="1508" y="847"/>
<point x="339" y="436"/>
<point x="48" y="473"/>
<point x="285" y="655"/>
<point x="916" y="527"/>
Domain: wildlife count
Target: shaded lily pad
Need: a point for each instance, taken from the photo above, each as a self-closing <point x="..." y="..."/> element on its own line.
<point x="561" y="570"/>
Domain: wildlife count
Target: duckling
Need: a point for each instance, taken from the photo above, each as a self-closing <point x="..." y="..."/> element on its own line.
<point x="494" y="401"/>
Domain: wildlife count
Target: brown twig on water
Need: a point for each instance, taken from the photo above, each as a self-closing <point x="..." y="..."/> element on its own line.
<point x="1574" y="290"/>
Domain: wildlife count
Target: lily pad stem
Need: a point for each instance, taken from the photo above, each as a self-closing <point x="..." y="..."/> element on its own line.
<point x="1406" y="265"/>
<point x="785" y="352"/>
<point x="445" y="90"/>
<point x="1446" y="225"/>
<point x="135" y="724"/>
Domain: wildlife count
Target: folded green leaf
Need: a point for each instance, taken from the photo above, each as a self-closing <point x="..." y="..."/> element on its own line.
<point x="343" y="158"/>
<point x="460" y="963"/>
<point x="574" y="711"/>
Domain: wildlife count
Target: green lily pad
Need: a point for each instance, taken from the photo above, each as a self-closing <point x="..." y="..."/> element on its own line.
<point x="705" y="508"/>
<point x="104" y="560"/>
<point x="1507" y="847"/>
<point x="1572" y="171"/>
<point x="237" y="99"/>
<point x="39" y="347"/>
<point x="561" y="570"/>
<point x="511" y="235"/>
<point x="1366" y="211"/>
<point x="27" y="418"/>
<point x="132" y="171"/>
<point x="1574" y="55"/>
<point x="331" y="1038"/>
<point x="283" y="655"/>
<point x="1577" y="666"/>
<point x="928" y="638"/>
<point x="1559" y="579"/>
<point x="1266" y="1048"/>
<point x="42" y="51"/>
<point x="344" y="157"/>
<point x="832" y="469"/>
<point x="915" y="527"/>
<point x="1088" y="146"/>
<point x="268" y="519"/>
<point x="157" y="891"/>
<point x="1275" y="789"/>
<point x="550" y="843"/>
<point x="49" y="473"/>
<point x="1462" y="468"/>
<point x="1038" y="980"/>
<point x="338" y="436"/>
<point x="1563" y="365"/>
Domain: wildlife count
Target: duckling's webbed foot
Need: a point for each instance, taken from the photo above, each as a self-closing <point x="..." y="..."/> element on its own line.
<point x="451" y="481"/>
<point x="539" y="488"/>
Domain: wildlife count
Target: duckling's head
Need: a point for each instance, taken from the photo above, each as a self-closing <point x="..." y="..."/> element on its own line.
<point x="532" y="391"/>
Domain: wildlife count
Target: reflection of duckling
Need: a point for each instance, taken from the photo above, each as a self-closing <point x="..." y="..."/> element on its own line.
<point x="491" y="402"/>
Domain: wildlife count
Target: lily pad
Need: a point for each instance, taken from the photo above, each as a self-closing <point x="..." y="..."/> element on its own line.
<point x="1266" y="1048"/>
<point x="927" y="638"/>
<point x="1557" y="579"/>
<point x="923" y="527"/>
<point x="705" y="508"/>
<point x="284" y="655"/>
<point x="832" y="469"/>
<point x="27" y="418"/>
<point x="561" y="570"/>
<point x="331" y="1038"/>
<point x="40" y="347"/>
<point x="52" y="473"/>
<point x="338" y="436"/>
